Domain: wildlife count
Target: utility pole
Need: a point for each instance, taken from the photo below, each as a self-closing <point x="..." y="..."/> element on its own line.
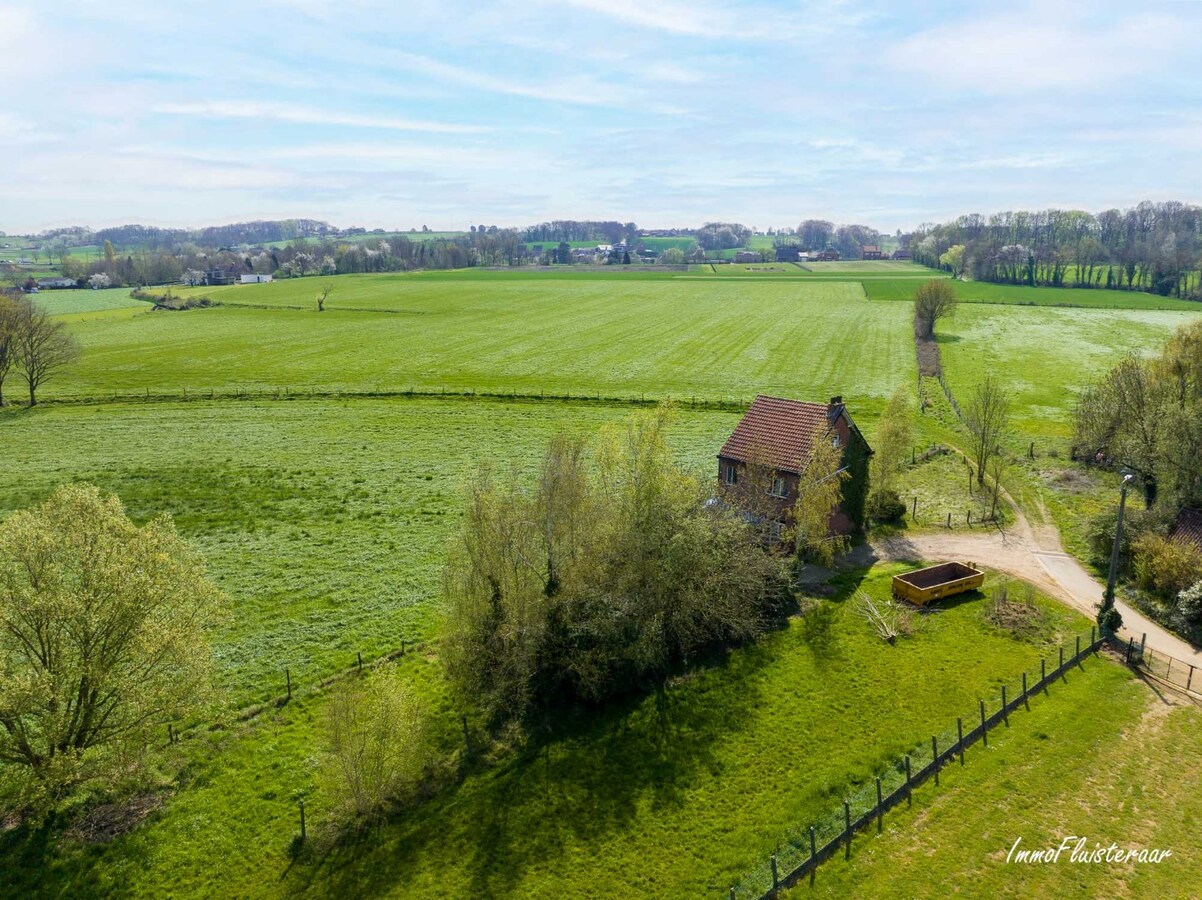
<point x="1108" y="597"/>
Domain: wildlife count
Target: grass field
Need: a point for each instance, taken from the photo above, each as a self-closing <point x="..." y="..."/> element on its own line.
<point x="325" y="522"/>
<point x="652" y="337"/>
<point x="669" y="796"/>
<point x="62" y="303"/>
<point x="1045" y="355"/>
<point x="1036" y="782"/>
<point x="1020" y="295"/>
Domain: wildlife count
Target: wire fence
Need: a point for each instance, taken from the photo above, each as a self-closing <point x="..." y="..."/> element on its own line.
<point x="864" y="809"/>
<point x="1182" y="675"/>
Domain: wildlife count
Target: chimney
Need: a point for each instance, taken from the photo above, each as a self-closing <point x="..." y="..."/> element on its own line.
<point x="837" y="401"/>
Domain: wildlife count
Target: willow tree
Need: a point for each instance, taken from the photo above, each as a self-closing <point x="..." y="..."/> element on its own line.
<point x="103" y="638"/>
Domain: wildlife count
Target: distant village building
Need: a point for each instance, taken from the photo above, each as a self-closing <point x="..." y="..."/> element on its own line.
<point x="871" y="251"/>
<point x="828" y="255"/>
<point x="901" y="254"/>
<point x="255" y="278"/>
<point x="56" y="284"/>
<point x="215" y="277"/>
<point x="779" y="435"/>
<point x="747" y="256"/>
<point x="788" y="254"/>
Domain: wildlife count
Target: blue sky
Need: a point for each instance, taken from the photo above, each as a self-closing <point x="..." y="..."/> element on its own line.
<point x="665" y="112"/>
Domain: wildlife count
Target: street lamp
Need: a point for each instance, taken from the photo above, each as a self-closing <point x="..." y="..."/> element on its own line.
<point x="1108" y="597"/>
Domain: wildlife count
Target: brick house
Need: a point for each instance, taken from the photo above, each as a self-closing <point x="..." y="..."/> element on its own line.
<point x="871" y="251"/>
<point x="777" y="436"/>
<point x="830" y="254"/>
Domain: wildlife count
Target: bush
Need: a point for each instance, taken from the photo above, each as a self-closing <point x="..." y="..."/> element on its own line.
<point x="376" y="748"/>
<point x="1136" y="523"/>
<point x="886" y="507"/>
<point x="1189" y="602"/>
<point x="601" y="578"/>
<point x="1110" y="620"/>
<point x="1166" y="567"/>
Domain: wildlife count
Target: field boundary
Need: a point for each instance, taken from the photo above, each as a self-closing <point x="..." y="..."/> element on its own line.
<point x="186" y="395"/>
<point x="806" y="850"/>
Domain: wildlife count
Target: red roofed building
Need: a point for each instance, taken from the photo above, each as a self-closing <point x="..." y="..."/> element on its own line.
<point x="871" y="251"/>
<point x="777" y="436"/>
<point x="1188" y="527"/>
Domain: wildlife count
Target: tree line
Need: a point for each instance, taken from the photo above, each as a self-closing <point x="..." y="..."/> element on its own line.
<point x="1154" y="247"/>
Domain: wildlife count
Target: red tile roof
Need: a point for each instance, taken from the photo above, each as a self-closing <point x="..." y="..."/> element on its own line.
<point x="778" y="433"/>
<point x="1189" y="526"/>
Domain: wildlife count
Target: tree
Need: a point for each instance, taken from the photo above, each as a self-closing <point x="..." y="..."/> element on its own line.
<point x="103" y="637"/>
<point x="953" y="259"/>
<point x="987" y="418"/>
<point x="376" y="742"/>
<point x="894" y="439"/>
<point x="819" y="493"/>
<point x="8" y="338"/>
<point x="99" y="281"/>
<point x="43" y="346"/>
<point x="934" y="300"/>
<point x="672" y="256"/>
<point x="323" y="295"/>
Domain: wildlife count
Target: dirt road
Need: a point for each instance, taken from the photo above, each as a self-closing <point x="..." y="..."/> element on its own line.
<point x="1034" y="555"/>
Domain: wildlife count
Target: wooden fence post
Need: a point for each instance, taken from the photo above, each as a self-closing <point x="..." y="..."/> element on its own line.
<point x="846" y="830"/>
<point x="1026" y="697"/>
<point x="1143" y="642"/>
<point x="1078" y="657"/>
<point x="1130" y="645"/>
<point x="960" y="737"/>
<point x="360" y="655"/>
<point x="1061" y="670"/>
<point x="302" y="817"/>
<point x="775" y="877"/>
<point x="949" y="520"/>
<point x="984" y="732"/>
<point x="1093" y="640"/>
<point x="288" y="681"/>
<point x="909" y="788"/>
<point x="1190" y="679"/>
<point x="914" y="512"/>
<point x="935" y="758"/>
<point x="813" y="852"/>
<point x="880" y="807"/>
<point x="1043" y="674"/>
<point x="1005" y="711"/>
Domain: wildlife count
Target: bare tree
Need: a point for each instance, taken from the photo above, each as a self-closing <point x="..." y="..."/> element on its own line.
<point x="988" y="421"/>
<point x="934" y="300"/>
<point x="8" y="344"/>
<point x="323" y="295"/>
<point x="43" y="346"/>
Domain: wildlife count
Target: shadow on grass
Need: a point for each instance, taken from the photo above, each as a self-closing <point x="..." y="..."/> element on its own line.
<point x="588" y="783"/>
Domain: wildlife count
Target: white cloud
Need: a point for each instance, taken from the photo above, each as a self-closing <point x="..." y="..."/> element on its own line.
<point x="306" y="115"/>
<point x="1039" y="47"/>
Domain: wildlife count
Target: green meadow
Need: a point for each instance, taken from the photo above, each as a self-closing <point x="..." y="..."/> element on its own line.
<point x="655" y="338"/>
<point x="326" y="520"/>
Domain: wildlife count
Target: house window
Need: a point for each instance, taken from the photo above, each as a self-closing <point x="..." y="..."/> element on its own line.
<point x="780" y="488"/>
<point x="835" y="442"/>
<point x="730" y="473"/>
<point x="776" y="529"/>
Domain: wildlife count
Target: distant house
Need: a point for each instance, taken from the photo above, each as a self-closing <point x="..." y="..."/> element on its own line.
<point x="871" y="251"/>
<point x="828" y="255"/>
<point x="788" y="254"/>
<point x="221" y="277"/>
<point x="777" y="436"/>
<point x="56" y="284"/>
<point x="901" y="254"/>
<point x="255" y="279"/>
<point x="747" y="256"/>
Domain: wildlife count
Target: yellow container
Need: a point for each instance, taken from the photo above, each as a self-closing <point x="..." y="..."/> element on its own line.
<point x="924" y="586"/>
